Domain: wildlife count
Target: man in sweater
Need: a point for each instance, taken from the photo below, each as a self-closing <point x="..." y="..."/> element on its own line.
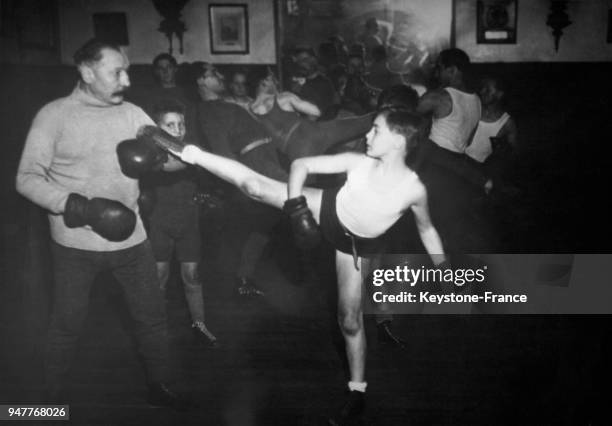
<point x="70" y="167"/>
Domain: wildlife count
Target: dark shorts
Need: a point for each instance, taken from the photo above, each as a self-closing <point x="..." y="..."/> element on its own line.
<point x="338" y="236"/>
<point x="181" y="236"/>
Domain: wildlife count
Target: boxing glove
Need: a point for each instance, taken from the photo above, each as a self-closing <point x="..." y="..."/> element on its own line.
<point x="305" y="229"/>
<point x="139" y="156"/>
<point x="108" y="218"/>
<point x="160" y="138"/>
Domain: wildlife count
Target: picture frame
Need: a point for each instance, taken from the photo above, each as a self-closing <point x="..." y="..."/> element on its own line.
<point x="228" y="28"/>
<point x="496" y="21"/>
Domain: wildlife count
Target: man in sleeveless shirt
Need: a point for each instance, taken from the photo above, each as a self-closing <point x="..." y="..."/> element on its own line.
<point x="451" y="176"/>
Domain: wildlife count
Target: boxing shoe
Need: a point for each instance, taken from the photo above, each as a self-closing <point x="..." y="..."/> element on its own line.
<point x="203" y="336"/>
<point x="351" y="413"/>
<point x="247" y="288"/>
<point x="160" y="396"/>
<point x="387" y="337"/>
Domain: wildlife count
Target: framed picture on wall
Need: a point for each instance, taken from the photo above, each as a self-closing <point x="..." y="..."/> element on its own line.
<point x="229" y="28"/>
<point x="496" y="21"/>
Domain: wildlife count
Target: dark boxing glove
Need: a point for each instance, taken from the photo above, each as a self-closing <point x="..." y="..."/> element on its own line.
<point x="108" y="218"/>
<point x="160" y="138"/>
<point x="139" y="156"/>
<point x="305" y="229"/>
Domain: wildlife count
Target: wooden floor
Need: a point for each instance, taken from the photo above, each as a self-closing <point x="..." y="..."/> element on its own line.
<point x="282" y="364"/>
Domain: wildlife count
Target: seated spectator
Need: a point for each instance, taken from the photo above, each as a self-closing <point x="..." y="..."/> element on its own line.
<point x="238" y="89"/>
<point x="313" y="86"/>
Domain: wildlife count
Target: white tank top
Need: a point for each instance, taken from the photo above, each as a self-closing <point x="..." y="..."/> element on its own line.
<point x="453" y="131"/>
<point x="368" y="209"/>
<point x="481" y="148"/>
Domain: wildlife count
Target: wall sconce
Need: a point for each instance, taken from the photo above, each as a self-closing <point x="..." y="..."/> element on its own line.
<point x="558" y="19"/>
<point x="171" y="10"/>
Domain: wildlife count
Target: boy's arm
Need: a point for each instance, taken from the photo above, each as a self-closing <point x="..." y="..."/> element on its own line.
<point x="428" y="233"/>
<point x="323" y="164"/>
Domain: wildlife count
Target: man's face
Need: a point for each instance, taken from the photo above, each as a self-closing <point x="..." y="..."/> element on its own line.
<point x="306" y="64"/>
<point x="173" y="123"/>
<point x="107" y="79"/>
<point x="489" y="94"/>
<point x="238" y="86"/>
<point x="380" y="140"/>
<point x="442" y="73"/>
<point x="212" y="80"/>
<point x="165" y="71"/>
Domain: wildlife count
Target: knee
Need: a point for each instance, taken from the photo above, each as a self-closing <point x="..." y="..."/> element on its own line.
<point x="190" y="277"/>
<point x="251" y="187"/>
<point x="350" y="322"/>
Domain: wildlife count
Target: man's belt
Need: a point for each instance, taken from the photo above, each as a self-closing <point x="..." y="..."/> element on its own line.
<point x="250" y="147"/>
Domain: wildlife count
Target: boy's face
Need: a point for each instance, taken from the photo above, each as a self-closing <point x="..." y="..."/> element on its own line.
<point x="238" y="86"/>
<point x="165" y="72"/>
<point x="212" y="79"/>
<point x="380" y="140"/>
<point x="174" y="124"/>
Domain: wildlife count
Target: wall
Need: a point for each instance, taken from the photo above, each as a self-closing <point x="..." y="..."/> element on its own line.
<point x="145" y="41"/>
<point x="583" y="41"/>
<point x="418" y="21"/>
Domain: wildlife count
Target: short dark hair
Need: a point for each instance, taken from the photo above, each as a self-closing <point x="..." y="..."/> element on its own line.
<point x="91" y="51"/>
<point x="406" y="123"/>
<point x="304" y="49"/>
<point x="455" y="57"/>
<point x="164" y="56"/>
<point x="240" y="70"/>
<point x="165" y="106"/>
<point x="398" y="97"/>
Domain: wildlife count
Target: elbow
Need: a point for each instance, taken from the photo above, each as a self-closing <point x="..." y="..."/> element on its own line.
<point x="298" y="166"/>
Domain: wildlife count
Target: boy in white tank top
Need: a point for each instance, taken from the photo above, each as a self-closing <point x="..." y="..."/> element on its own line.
<point x="381" y="178"/>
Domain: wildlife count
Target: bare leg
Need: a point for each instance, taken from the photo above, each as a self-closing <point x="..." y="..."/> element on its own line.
<point x="163" y="272"/>
<point x="350" y="314"/>
<point x="193" y="295"/>
<point x="254" y="185"/>
<point x="193" y="290"/>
